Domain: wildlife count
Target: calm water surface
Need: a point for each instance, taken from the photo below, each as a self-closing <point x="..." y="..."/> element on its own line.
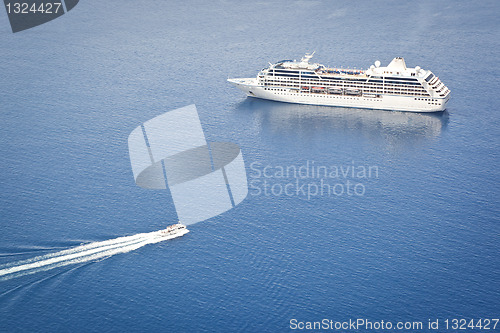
<point x="421" y="242"/>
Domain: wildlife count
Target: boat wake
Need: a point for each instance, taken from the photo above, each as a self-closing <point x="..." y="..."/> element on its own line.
<point x="80" y="254"/>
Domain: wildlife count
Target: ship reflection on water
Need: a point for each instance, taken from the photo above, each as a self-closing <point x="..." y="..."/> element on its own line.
<point x="308" y="121"/>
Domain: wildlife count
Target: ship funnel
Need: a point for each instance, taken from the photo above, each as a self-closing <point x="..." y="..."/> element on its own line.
<point x="397" y="64"/>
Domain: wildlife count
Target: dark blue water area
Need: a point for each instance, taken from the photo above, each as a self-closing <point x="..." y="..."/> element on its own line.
<point x="420" y="242"/>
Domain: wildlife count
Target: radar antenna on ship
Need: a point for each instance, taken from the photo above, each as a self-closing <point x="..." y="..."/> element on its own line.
<point x="307" y="57"/>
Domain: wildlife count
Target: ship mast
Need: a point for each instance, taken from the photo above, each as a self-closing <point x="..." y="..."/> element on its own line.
<point x="307" y="57"/>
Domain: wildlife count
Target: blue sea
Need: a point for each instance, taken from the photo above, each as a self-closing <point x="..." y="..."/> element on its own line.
<point x="415" y="239"/>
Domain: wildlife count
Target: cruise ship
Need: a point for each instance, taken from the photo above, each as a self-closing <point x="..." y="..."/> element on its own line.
<point x="394" y="87"/>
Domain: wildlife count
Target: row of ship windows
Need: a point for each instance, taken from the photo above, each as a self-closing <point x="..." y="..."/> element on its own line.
<point x="363" y="82"/>
<point x="431" y="101"/>
<point x="387" y="91"/>
<point x="294" y="84"/>
<point x="374" y="91"/>
<point x="293" y="73"/>
<point x="330" y="96"/>
<point x="344" y="98"/>
<point x="426" y="99"/>
<point x="437" y="85"/>
<point x="340" y="83"/>
<point x="405" y="88"/>
<point x="440" y="90"/>
<point x="309" y="77"/>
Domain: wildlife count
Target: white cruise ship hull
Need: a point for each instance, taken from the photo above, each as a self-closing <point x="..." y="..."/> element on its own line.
<point x="384" y="102"/>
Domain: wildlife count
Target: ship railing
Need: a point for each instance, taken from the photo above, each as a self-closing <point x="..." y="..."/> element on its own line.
<point x="343" y="71"/>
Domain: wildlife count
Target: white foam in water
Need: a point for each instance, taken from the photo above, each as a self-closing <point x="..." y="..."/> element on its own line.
<point x="80" y="254"/>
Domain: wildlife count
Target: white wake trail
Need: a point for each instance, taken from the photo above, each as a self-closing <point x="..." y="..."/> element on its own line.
<point x="80" y="254"/>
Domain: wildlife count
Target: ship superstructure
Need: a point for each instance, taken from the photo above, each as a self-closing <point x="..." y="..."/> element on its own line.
<point x="394" y="87"/>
